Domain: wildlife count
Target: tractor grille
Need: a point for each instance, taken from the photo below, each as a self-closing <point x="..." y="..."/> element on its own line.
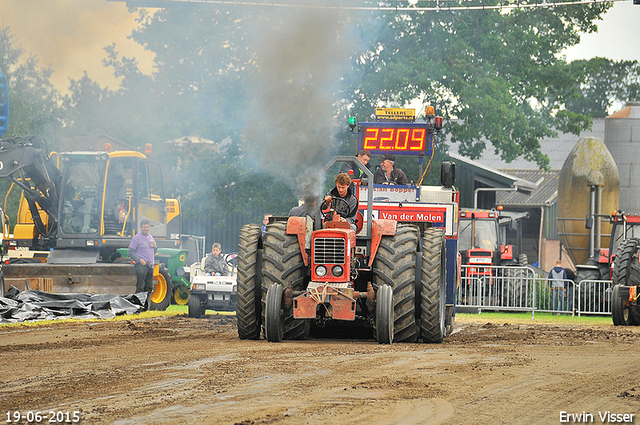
<point x="328" y="251"/>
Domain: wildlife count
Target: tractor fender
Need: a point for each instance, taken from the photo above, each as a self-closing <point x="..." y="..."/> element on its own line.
<point x="380" y="228"/>
<point x="298" y="226"/>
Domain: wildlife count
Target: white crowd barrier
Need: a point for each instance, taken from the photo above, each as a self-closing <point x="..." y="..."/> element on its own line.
<point x="518" y="288"/>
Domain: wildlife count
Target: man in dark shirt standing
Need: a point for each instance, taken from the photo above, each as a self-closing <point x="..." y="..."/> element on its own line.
<point x="142" y="251"/>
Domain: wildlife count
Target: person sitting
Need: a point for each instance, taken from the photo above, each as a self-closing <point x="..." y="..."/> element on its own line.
<point x="388" y="174"/>
<point x="342" y="200"/>
<point x="215" y="264"/>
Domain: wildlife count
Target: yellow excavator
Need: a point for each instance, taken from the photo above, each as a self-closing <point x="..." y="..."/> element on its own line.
<point x="77" y="209"/>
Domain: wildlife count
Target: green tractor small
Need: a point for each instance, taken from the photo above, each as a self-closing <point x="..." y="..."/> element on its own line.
<point x="171" y="279"/>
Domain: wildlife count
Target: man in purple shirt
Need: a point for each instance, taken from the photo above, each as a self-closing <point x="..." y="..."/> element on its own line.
<point x="142" y="250"/>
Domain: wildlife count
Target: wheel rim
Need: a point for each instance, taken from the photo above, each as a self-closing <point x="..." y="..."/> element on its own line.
<point x="181" y="296"/>
<point x="160" y="291"/>
<point x="625" y="313"/>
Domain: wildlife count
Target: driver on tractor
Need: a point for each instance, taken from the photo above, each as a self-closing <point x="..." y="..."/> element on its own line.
<point x="342" y="201"/>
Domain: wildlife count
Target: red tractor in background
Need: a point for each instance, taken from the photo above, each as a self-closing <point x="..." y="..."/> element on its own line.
<point x="481" y="242"/>
<point x="391" y="274"/>
<point x="624" y="268"/>
<point x="613" y="263"/>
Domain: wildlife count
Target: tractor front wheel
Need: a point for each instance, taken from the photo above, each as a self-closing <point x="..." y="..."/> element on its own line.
<point x="282" y="264"/>
<point x="181" y="296"/>
<point x="620" y="306"/>
<point x="384" y="315"/>
<point x="274" y="317"/>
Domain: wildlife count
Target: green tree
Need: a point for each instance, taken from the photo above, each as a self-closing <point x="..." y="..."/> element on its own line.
<point x="605" y="83"/>
<point x="33" y="101"/>
<point x="499" y="73"/>
<point x="89" y="109"/>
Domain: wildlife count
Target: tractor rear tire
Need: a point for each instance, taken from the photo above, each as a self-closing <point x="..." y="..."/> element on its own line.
<point x="515" y="287"/>
<point x="620" y="312"/>
<point x="433" y="287"/>
<point x="249" y="282"/>
<point x="195" y="306"/>
<point x="395" y="265"/>
<point x="590" y="301"/>
<point x="274" y="317"/>
<point x="282" y="263"/>
<point x="163" y="290"/>
<point x="384" y="315"/>
<point x="626" y="272"/>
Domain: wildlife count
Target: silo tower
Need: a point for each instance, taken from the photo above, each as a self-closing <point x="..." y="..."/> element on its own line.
<point x="622" y="138"/>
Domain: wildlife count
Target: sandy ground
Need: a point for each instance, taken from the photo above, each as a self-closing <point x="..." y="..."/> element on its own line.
<point x="178" y="370"/>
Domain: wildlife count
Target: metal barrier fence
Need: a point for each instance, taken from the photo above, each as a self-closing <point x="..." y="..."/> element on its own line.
<point x="521" y="289"/>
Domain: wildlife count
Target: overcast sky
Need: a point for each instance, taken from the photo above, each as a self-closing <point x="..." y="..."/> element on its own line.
<point x="69" y="35"/>
<point x="618" y="35"/>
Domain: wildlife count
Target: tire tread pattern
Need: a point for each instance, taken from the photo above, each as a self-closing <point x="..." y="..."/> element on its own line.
<point x="249" y="290"/>
<point x="395" y="265"/>
<point x="432" y="294"/>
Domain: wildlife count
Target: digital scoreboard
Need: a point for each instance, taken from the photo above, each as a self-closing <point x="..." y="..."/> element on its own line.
<point x="398" y="138"/>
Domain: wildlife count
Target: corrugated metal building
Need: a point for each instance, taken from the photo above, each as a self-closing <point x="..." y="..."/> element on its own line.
<point x="538" y="194"/>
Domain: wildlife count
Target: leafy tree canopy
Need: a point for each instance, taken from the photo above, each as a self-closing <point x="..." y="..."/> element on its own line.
<point x="604" y="84"/>
<point x="500" y="74"/>
<point x="33" y="101"/>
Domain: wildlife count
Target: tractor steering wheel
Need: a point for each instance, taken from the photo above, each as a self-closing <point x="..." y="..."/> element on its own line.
<point x="328" y="214"/>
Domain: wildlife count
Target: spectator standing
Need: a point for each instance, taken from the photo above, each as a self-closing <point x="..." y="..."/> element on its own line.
<point x="142" y="250"/>
<point x="569" y="286"/>
<point x="215" y="264"/>
<point x="557" y="277"/>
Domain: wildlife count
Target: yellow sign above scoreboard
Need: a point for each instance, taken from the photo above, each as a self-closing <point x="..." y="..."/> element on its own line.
<point x="395" y="114"/>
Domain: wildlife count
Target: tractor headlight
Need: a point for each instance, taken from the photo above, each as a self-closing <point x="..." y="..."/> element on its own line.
<point x="337" y="271"/>
<point x="321" y="271"/>
<point x="199" y="286"/>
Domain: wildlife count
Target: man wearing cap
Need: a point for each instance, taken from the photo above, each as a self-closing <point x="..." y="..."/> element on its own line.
<point x="388" y="174"/>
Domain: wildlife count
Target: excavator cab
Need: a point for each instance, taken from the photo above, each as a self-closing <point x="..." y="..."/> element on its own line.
<point x="105" y="195"/>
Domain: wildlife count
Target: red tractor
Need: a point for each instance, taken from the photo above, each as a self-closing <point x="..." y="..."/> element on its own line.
<point x="390" y="274"/>
<point x="625" y="269"/>
<point x="486" y="257"/>
<point x="605" y="264"/>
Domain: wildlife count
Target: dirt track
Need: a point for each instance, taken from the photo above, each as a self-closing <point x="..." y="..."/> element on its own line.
<point x="180" y="370"/>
